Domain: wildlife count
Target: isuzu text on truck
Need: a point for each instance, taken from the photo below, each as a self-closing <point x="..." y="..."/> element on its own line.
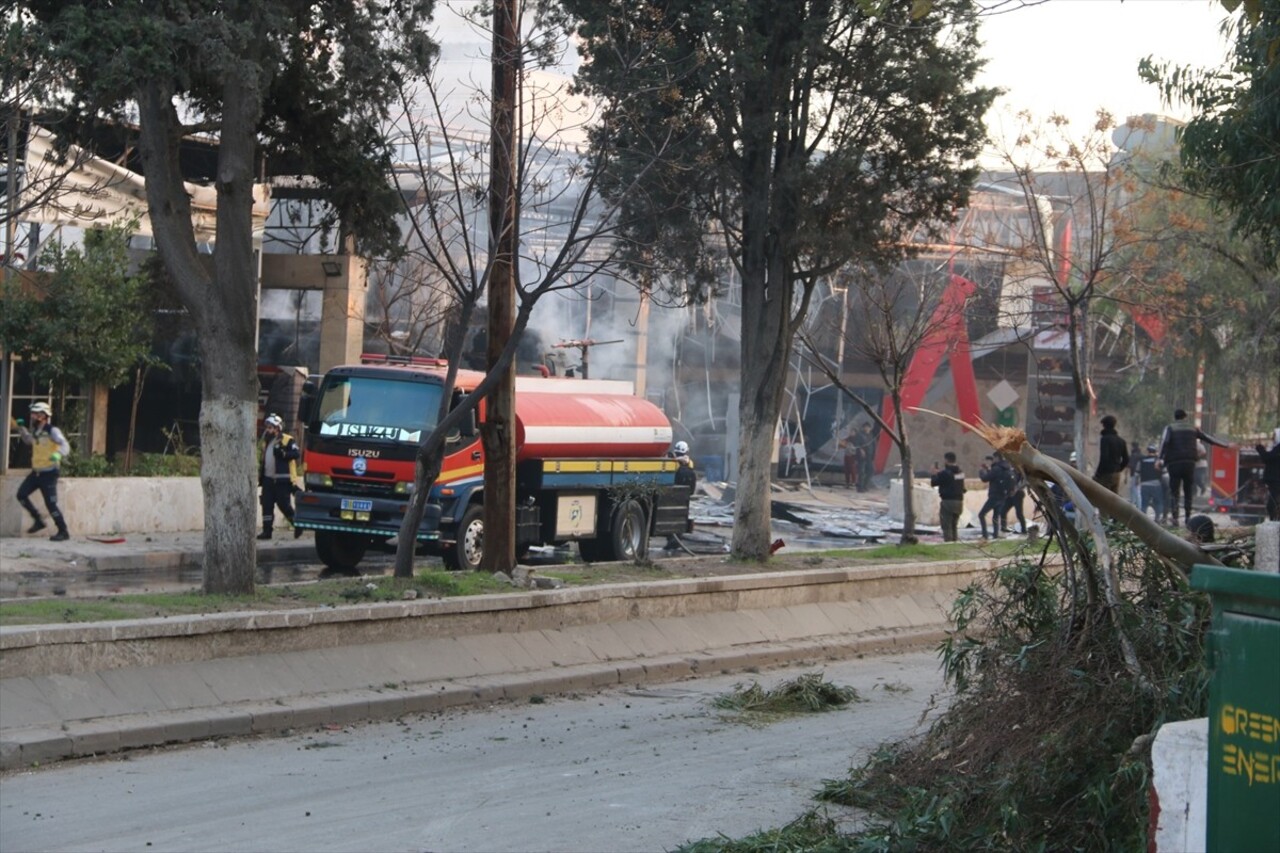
<point x="590" y="465"/>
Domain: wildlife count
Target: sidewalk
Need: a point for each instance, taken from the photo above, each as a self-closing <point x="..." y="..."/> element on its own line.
<point x="130" y="551"/>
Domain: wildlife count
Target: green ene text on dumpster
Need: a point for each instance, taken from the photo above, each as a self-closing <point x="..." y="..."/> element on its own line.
<point x="1255" y="765"/>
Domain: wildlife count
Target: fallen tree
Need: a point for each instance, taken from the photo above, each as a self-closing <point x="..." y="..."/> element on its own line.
<point x="1064" y="665"/>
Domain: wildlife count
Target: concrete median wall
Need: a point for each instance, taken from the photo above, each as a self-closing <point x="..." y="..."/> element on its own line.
<point x="105" y="506"/>
<point x="75" y="690"/>
<point x="73" y="649"/>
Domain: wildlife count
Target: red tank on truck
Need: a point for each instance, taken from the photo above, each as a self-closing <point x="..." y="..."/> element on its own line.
<point x="591" y="465"/>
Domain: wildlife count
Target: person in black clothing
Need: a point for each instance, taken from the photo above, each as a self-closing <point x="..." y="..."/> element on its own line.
<point x="1179" y="451"/>
<point x="1135" y="456"/>
<point x="865" y="446"/>
<point x="949" y="481"/>
<point x="1017" y="497"/>
<point x="998" y="475"/>
<point x="1113" y="456"/>
<point x="1151" y="484"/>
<point x="1271" y="474"/>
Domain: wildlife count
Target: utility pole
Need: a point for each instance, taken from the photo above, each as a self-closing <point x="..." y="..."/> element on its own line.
<point x="498" y="433"/>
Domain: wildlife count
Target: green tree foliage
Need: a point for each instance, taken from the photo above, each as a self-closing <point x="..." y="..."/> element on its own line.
<point x="303" y="82"/>
<point x="1212" y="294"/>
<point x="793" y="136"/>
<point x="84" y="318"/>
<point x="1231" y="148"/>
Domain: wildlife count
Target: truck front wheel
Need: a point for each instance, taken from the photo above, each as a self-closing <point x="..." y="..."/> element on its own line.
<point x="466" y="554"/>
<point x="340" y="552"/>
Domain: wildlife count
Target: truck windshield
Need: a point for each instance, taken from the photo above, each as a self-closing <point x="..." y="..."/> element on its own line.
<point x="379" y="409"/>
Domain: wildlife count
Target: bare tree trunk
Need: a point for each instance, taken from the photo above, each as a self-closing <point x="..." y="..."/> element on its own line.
<point x="224" y="310"/>
<point x="498" y="433"/>
<point x="908" y="475"/>
<point x="139" y="377"/>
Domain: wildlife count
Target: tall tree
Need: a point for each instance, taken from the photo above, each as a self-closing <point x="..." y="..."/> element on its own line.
<point x="1206" y="297"/>
<point x="568" y="238"/>
<point x="301" y="79"/>
<point x="1075" y="192"/>
<point x="807" y="133"/>
<point x="1231" y="147"/>
<point x="897" y="313"/>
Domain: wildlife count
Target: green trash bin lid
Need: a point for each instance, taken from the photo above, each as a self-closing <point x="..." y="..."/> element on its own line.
<point x="1239" y="590"/>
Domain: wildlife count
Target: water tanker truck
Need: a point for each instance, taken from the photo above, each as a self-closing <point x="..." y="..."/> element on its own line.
<point x="591" y="465"/>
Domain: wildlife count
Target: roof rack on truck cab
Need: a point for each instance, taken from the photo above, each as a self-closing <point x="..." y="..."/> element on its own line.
<point x="419" y="360"/>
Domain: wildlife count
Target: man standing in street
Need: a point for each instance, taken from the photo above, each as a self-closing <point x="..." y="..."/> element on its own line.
<point x="1179" y="451"/>
<point x="848" y="447"/>
<point x="277" y="469"/>
<point x="1271" y="474"/>
<point x="866" y="447"/>
<point x="998" y="475"/>
<point x="48" y="448"/>
<point x="949" y="481"/>
<point x="1113" y="456"/>
<point x="1150" y="484"/>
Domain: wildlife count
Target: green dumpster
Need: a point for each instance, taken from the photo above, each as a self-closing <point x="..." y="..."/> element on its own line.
<point x="1243" y="808"/>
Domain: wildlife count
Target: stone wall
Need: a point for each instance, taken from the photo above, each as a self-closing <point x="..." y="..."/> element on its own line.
<point x="105" y="506"/>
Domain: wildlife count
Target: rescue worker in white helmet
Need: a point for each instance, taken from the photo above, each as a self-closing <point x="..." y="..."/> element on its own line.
<point x="685" y="476"/>
<point x="48" y="448"/>
<point x="277" y="472"/>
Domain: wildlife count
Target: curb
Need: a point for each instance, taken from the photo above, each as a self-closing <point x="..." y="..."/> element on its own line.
<point x="151" y="560"/>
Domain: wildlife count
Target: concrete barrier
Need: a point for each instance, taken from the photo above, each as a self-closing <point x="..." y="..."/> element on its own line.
<point x="1180" y="785"/>
<point x="40" y="650"/>
<point x="75" y="690"/>
<point x="105" y="506"/>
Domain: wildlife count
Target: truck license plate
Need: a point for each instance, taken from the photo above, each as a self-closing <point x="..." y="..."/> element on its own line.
<point x="357" y="505"/>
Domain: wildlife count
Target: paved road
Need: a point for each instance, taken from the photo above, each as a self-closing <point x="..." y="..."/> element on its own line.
<point x="623" y="770"/>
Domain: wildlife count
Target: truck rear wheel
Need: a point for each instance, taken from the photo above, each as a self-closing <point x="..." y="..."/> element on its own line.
<point x="341" y="552"/>
<point x="629" y="534"/>
<point x="466" y="554"/>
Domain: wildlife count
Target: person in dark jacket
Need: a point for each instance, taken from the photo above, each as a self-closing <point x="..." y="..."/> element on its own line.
<point x="1135" y="456"/>
<point x="1151" y="484"/>
<point x="866" y="448"/>
<point x="1017" y="496"/>
<point x="1113" y="456"/>
<point x="1271" y="474"/>
<point x="949" y="481"/>
<point x="997" y="473"/>
<point x="1179" y="452"/>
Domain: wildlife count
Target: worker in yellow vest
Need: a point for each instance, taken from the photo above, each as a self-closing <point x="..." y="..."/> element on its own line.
<point x="277" y="473"/>
<point x="48" y="448"/>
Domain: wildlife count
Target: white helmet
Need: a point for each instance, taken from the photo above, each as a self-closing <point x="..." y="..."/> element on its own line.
<point x="41" y="408"/>
<point x="274" y="420"/>
<point x="680" y="448"/>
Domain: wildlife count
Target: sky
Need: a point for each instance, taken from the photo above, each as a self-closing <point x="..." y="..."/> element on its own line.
<point x="1074" y="56"/>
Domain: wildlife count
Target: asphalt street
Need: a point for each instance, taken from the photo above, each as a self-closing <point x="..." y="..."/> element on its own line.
<point x="640" y="769"/>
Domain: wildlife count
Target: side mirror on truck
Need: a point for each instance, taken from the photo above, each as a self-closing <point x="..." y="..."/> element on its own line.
<point x="469" y="427"/>
<point x="306" y="401"/>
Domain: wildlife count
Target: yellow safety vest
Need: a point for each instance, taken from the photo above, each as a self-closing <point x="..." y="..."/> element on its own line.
<point x="42" y="449"/>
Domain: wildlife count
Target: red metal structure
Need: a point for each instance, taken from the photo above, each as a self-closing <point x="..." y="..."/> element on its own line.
<point x="949" y="338"/>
